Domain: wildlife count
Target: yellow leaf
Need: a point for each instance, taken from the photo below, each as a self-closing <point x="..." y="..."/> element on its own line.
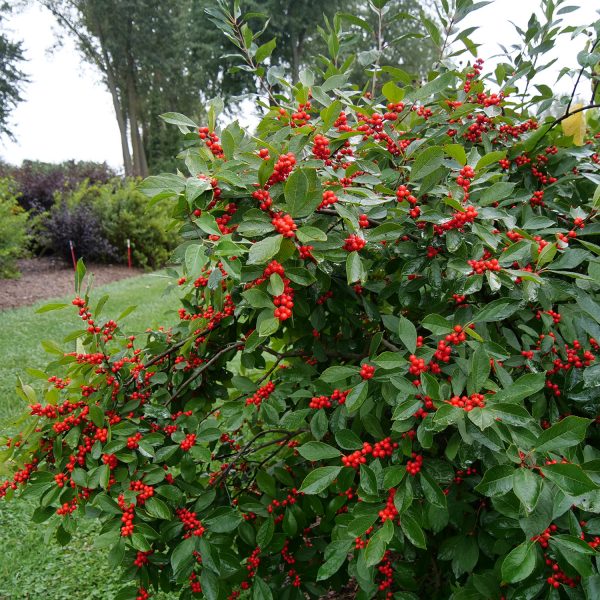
<point x="574" y="125"/>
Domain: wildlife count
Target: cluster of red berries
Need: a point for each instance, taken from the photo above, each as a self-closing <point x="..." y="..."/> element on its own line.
<point x="261" y="394"/>
<point x="390" y="512"/>
<point x="264" y="198"/>
<point x="144" y="491"/>
<point x="403" y="193"/>
<point x="367" y="371"/>
<point x="387" y="573"/>
<point x="212" y="141"/>
<point x="481" y="266"/>
<point x="141" y="558"/>
<point x="282" y="168"/>
<point x="363" y="221"/>
<point x="284" y="224"/>
<point x="132" y="442"/>
<point x="458" y="221"/>
<point x="468" y="403"/>
<point x="128" y="516"/>
<point x="284" y="303"/>
<point x="142" y="594"/>
<point x="471" y="75"/>
<point x="191" y="524"/>
<point x="306" y="252"/>
<point x="329" y="199"/>
<point x="188" y="442"/>
<point x="543" y="539"/>
<point x="382" y="448"/>
<point x="318" y="402"/>
<point x="354" y="243"/>
<point x="465" y="175"/>
<point x="321" y="147"/>
<point x="414" y="466"/>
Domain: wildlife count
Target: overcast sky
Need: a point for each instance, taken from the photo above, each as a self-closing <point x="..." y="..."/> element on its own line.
<point x="67" y="112"/>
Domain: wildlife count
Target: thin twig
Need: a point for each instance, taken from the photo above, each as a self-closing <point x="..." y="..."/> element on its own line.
<point x="203" y="368"/>
<point x="578" y="78"/>
<point x="334" y="213"/>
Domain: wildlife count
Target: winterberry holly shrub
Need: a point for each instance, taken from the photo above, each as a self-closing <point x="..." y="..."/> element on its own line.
<point x="384" y="379"/>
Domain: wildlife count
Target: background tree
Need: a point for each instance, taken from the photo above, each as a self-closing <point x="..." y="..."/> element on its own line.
<point x="11" y="77"/>
<point x="157" y="56"/>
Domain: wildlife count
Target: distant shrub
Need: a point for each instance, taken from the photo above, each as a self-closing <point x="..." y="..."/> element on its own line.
<point x="38" y="182"/>
<point x="77" y="223"/>
<point x="99" y="219"/>
<point x="13" y="229"/>
<point x="123" y="216"/>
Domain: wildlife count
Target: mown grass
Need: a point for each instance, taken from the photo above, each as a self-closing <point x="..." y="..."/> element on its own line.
<point x="32" y="565"/>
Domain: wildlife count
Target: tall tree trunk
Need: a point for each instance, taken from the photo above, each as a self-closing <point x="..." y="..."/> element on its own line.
<point x="122" y="122"/>
<point x="120" y="113"/>
<point x="140" y="165"/>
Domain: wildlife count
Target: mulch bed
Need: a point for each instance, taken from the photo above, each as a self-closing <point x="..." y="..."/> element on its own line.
<point x="48" y="277"/>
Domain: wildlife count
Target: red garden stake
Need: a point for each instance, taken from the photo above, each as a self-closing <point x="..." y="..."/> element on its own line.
<point x="128" y="253"/>
<point x="73" y="254"/>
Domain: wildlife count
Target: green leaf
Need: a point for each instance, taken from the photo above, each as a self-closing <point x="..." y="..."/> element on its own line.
<point x="182" y="558"/>
<point x="51" y="306"/>
<point x="80" y="272"/>
<point x="496" y="192"/>
<point x="435" y="86"/>
<point x="510" y="414"/>
<point x="357" y="396"/>
<point x="265" y="50"/>
<point x="265" y="533"/>
<point x="368" y="481"/>
<point x="195" y="259"/>
<point x="479" y="369"/>
<point x="496" y="481"/>
<point x="490" y="158"/>
<point x="527" y="486"/>
<point x="498" y="310"/>
<point x="407" y="333"/>
<point x="335" y="556"/>
<point x="263" y="251"/>
<point x="260" y="590"/>
<point x="564" y="434"/>
<point x="412" y="530"/>
<point x="335" y="374"/>
<point x="519" y="563"/>
<point x="392" y="92"/>
<point x="318" y="451"/>
<point x="427" y="162"/>
<point x="437" y="324"/>
<point x="457" y="152"/>
<point x="258" y="299"/>
<point x="178" y="119"/>
<point x="527" y="385"/>
<point x="355" y="270"/>
<point x="571" y="479"/>
<point x="310" y="234"/>
<point x="97" y="415"/>
<point x="157" y="508"/>
<point x="319" y="479"/>
<point x="210" y="584"/>
<point x="433" y="492"/>
<point x="302" y="192"/>
<point x="378" y="543"/>
<point x="164" y="185"/>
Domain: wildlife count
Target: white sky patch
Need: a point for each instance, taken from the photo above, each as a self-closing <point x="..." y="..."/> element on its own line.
<point x="68" y="113"/>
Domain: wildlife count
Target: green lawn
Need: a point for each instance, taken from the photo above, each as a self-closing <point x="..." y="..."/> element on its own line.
<point x="32" y="565"/>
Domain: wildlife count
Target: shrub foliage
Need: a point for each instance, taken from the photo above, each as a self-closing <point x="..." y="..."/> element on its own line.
<point x="100" y="218"/>
<point x="383" y="381"/>
<point x="13" y="229"/>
